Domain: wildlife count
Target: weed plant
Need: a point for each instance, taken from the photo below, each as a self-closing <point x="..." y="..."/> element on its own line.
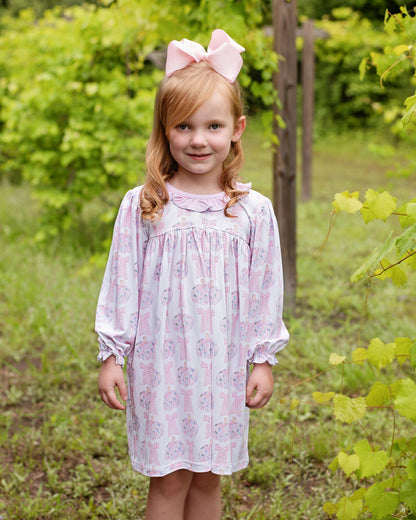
<point x="64" y="454"/>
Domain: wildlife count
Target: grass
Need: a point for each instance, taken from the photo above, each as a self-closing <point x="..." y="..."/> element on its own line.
<point x="64" y="454"/>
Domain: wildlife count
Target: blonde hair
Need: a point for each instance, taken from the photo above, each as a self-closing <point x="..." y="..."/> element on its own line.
<point x="178" y="97"/>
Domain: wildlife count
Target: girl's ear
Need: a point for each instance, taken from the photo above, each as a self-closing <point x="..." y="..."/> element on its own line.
<point x="239" y="129"/>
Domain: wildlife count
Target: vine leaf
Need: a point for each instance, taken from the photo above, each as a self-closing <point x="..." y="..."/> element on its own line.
<point x="379" y="395"/>
<point x="381" y="502"/>
<point x="359" y="355"/>
<point x="371" y="462"/>
<point x="336" y="359"/>
<point x="348" y="463"/>
<point x="348" y="509"/>
<point x="380" y="354"/>
<point x="389" y="270"/>
<point x="375" y="258"/>
<point x="405" y="401"/>
<point x="378" y="206"/>
<point x="347" y="202"/>
<point x="403" y="346"/>
<point x="406" y="241"/>
<point x="411" y="469"/>
<point x="410" y="113"/>
<point x="322" y="398"/>
<point x="348" y="409"/>
<point x="408" y="494"/>
<point x="407" y="213"/>
<point x="413" y="355"/>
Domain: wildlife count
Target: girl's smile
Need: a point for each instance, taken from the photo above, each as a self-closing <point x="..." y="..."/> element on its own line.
<point x="201" y="144"/>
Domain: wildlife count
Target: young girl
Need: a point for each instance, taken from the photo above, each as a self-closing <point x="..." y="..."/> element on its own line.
<point x="192" y="293"/>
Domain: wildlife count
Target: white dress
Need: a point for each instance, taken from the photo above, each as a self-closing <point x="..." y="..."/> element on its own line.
<point x="191" y="301"/>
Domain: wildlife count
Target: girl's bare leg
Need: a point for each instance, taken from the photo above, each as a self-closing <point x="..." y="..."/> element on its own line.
<point x="204" y="497"/>
<point x="167" y="495"/>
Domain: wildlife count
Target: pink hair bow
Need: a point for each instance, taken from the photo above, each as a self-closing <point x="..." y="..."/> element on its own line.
<point x="223" y="55"/>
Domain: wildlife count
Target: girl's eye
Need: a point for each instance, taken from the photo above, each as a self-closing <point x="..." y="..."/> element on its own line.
<point x="215" y="126"/>
<point x="183" y="126"/>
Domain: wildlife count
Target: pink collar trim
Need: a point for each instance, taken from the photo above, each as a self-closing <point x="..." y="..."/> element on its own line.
<point x="201" y="203"/>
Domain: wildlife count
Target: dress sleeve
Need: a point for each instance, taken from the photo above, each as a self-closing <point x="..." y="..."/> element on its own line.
<point x="268" y="333"/>
<point x="117" y="308"/>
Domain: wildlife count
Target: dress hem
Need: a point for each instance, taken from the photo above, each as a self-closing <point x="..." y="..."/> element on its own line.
<point x="190" y="466"/>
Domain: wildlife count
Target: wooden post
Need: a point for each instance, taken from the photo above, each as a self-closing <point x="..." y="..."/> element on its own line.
<point x="308" y="87"/>
<point x="284" y="154"/>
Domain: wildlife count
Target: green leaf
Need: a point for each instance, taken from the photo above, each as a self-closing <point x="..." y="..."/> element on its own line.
<point x="411" y="469"/>
<point x="381" y="502"/>
<point x="408" y="494"/>
<point x="380" y="354"/>
<point x="348" y="509"/>
<point x="347" y="202"/>
<point x="371" y="462"/>
<point x="377" y="255"/>
<point x="359" y="355"/>
<point x="402" y="352"/>
<point x="410" y="113"/>
<point x="336" y="359"/>
<point x="413" y="356"/>
<point x="407" y="213"/>
<point x="378" y="206"/>
<point x="348" y="409"/>
<point x="322" y="398"/>
<point x="348" y="463"/>
<point x="379" y="395"/>
<point x="406" y="241"/>
<point x="329" y="508"/>
<point x="405" y="401"/>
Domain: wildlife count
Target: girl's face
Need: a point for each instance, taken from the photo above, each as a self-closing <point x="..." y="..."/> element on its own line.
<point x="201" y="144"/>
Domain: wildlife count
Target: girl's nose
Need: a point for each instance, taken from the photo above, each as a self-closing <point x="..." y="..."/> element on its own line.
<point x="198" y="139"/>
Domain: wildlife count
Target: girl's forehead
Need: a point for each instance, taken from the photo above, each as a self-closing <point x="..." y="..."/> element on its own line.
<point x="217" y="103"/>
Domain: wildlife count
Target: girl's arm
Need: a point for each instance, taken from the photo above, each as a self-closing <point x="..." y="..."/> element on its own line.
<point x="260" y="386"/>
<point x="117" y="308"/>
<point x="111" y="376"/>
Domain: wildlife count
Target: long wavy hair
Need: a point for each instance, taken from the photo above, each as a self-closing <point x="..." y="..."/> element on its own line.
<point x="178" y="97"/>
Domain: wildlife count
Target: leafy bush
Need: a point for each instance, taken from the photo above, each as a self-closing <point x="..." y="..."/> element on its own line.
<point x="77" y="91"/>
<point x="343" y="99"/>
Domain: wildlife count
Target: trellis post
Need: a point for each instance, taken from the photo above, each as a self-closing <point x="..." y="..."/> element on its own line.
<point x="284" y="153"/>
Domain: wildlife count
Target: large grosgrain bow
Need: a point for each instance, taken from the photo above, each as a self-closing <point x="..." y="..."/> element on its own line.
<point x="223" y="55"/>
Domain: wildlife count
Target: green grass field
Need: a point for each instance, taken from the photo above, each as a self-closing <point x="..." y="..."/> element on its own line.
<point x="64" y="454"/>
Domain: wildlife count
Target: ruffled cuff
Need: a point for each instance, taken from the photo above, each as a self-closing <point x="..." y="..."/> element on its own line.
<point x="261" y="354"/>
<point x="106" y="352"/>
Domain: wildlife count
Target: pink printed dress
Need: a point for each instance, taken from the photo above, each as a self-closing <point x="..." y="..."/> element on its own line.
<point x="191" y="301"/>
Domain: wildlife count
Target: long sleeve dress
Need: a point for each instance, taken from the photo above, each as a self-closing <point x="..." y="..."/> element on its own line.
<point x="191" y="301"/>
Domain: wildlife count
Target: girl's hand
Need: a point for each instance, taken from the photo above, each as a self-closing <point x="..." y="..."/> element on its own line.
<point x="260" y="386"/>
<point x="111" y="375"/>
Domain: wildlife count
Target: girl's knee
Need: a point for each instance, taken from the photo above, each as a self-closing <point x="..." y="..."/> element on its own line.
<point x="206" y="482"/>
<point x="171" y="484"/>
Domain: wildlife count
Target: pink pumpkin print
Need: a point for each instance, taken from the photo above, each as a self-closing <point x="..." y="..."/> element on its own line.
<point x="168" y="349"/>
<point x="167" y="295"/>
<point x="154" y="429"/>
<point x="187" y="376"/>
<point x="206" y="402"/>
<point x="222" y="378"/>
<point x="145" y="349"/>
<point x="206" y="348"/>
<point x="205" y="453"/>
<point x="268" y="279"/>
<point x="170" y="400"/>
<point x="181" y="270"/>
<point x="221" y="432"/>
<point x="189" y="426"/>
<point x="174" y="450"/>
<point x="183" y="322"/>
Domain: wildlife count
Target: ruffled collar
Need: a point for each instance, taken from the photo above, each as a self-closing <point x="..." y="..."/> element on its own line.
<point x="201" y="203"/>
